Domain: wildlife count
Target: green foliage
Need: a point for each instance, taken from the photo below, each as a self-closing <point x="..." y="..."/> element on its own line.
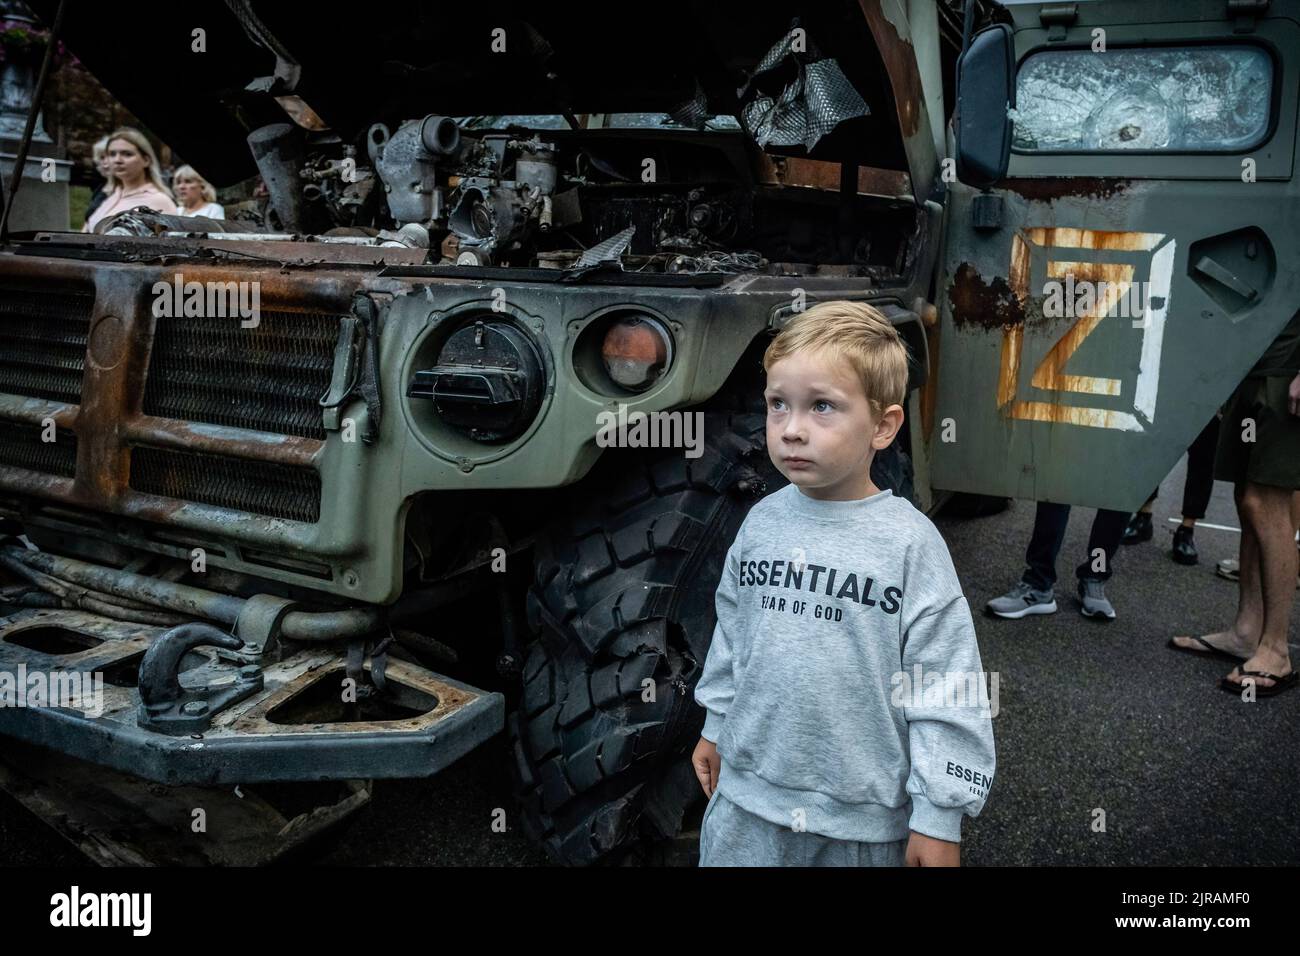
<point x="78" y="200"/>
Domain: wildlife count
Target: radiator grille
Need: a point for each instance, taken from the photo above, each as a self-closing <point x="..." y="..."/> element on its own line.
<point x="21" y="447"/>
<point x="269" y="378"/>
<point x="43" y="340"/>
<point x="263" y="488"/>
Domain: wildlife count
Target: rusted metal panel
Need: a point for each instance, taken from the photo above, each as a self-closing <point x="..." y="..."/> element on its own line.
<point x="1094" y="403"/>
<point x="820" y="174"/>
<point x="890" y="29"/>
<point x="1042" y="401"/>
<point x="437" y="719"/>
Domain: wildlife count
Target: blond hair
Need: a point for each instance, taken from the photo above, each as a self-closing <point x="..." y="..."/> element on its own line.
<point x="205" y="187"/>
<point x="854" y="331"/>
<point x="152" y="171"/>
<point x="99" y="149"/>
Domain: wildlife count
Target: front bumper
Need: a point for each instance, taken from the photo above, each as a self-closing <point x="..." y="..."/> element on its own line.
<point x="289" y="730"/>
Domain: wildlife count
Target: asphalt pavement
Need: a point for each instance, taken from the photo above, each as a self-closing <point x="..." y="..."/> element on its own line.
<point x="1111" y="748"/>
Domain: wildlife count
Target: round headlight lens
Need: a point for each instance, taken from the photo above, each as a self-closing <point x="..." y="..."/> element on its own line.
<point x="637" y="352"/>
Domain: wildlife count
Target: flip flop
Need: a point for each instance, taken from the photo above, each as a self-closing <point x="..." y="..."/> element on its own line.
<point x="1210" y="649"/>
<point x="1279" y="683"/>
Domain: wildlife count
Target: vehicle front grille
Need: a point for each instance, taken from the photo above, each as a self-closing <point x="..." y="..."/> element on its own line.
<point x="257" y="487"/>
<point x="268" y="378"/>
<point x="43" y="333"/>
<point x="21" y="447"/>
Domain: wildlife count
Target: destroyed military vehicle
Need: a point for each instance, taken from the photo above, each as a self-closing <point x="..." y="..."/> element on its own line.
<point x="485" y="232"/>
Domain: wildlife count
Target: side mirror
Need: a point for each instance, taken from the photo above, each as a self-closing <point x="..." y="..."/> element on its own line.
<point x="986" y="90"/>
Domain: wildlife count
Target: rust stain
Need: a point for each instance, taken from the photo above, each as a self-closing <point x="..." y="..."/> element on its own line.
<point x="900" y="63"/>
<point x="1092" y="272"/>
<point x="1068" y="238"/>
<point x="1009" y="366"/>
<point x="224" y="440"/>
<point x="825" y="175"/>
<point x="109" y="419"/>
<point x="1047" y="188"/>
<point x="1066" y="414"/>
<point x="1049" y="374"/>
<point x="1118" y="277"/>
<point x="989" y="305"/>
<point x="1109" y="281"/>
<point x="255" y="719"/>
<point x="1018" y="273"/>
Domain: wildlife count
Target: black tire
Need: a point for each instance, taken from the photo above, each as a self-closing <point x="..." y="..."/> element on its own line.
<point x="624" y="592"/>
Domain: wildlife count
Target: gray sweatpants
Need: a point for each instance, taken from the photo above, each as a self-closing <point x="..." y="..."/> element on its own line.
<point x="732" y="836"/>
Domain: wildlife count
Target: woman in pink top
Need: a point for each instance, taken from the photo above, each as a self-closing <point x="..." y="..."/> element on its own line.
<point x="133" y="178"/>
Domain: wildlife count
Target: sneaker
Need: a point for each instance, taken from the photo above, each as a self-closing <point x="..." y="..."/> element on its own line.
<point x="1184" y="549"/>
<point x="1228" y="568"/>
<point x="1139" y="529"/>
<point x="1093" y="595"/>
<point x="1021" y="601"/>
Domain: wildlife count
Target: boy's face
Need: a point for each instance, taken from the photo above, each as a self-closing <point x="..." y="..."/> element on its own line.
<point x="821" y="433"/>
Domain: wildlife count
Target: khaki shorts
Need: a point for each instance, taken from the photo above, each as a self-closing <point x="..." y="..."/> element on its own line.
<point x="1273" y="458"/>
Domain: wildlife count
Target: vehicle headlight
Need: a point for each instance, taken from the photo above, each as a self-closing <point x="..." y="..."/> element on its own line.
<point x="637" y="351"/>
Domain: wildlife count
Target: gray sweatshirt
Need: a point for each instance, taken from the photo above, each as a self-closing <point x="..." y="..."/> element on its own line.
<point x="842" y="676"/>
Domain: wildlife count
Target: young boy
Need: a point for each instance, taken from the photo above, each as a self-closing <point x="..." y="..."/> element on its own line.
<point x="826" y="740"/>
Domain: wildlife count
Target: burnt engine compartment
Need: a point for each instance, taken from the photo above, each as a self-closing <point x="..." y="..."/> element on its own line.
<point x="654" y="200"/>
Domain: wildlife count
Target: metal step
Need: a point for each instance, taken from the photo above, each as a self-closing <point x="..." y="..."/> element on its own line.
<point x="296" y="727"/>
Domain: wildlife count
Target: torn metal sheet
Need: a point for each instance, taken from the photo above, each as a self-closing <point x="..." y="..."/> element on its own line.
<point x="610" y="250"/>
<point x="819" y="99"/>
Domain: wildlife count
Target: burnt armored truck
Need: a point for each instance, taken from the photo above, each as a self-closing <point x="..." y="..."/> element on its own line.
<point x="345" y="489"/>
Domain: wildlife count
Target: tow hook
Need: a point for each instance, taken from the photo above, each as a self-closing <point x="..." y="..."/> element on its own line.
<point x="169" y="708"/>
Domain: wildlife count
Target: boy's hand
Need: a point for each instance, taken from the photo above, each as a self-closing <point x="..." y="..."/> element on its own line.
<point x="708" y="764"/>
<point x="927" y="851"/>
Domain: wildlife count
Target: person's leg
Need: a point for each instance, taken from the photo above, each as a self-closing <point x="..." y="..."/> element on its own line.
<point x="1097" y="567"/>
<point x="1267" y="509"/>
<point x="1295" y="524"/>
<point x="1197" y="488"/>
<point x="732" y="836"/>
<point x="1033" y="594"/>
<point x="1050" y="521"/>
<point x="1242" y="638"/>
<point x="1232" y="459"/>
<point x="1139" y="526"/>
<point x="1199" y="484"/>
<point x="1249" y="623"/>
<point x="882" y="854"/>
<point x="1103" y="542"/>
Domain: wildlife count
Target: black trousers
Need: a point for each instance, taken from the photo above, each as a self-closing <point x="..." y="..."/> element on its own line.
<point x="1199" y="484"/>
<point x="1049" y="531"/>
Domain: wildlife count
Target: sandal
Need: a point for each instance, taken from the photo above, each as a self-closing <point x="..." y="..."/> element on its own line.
<point x="1210" y="649"/>
<point x="1279" y="683"/>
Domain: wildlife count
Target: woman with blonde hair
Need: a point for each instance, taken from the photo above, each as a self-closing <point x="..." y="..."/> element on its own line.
<point x="134" y="178"/>
<point x="195" y="195"/>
